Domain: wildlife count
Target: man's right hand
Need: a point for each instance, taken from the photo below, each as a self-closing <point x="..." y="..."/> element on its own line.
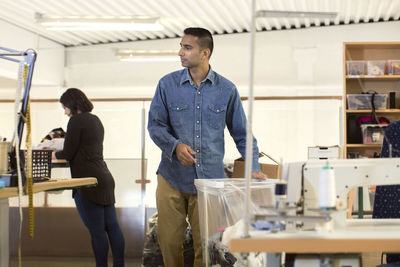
<point x="185" y="154"/>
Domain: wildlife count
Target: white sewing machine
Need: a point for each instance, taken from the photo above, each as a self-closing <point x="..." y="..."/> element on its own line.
<point x="344" y="235"/>
<point x="349" y="173"/>
<point x="304" y="185"/>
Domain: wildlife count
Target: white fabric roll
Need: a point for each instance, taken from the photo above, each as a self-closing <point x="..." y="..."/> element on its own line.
<point x="327" y="188"/>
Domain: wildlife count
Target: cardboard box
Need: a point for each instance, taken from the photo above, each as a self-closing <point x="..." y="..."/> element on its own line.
<point x="271" y="169"/>
<point x="324" y="152"/>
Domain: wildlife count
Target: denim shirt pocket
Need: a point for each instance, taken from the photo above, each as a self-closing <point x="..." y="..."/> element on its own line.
<point x="178" y="114"/>
<point x="216" y="116"/>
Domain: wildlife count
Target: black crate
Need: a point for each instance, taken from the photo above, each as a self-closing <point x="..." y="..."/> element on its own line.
<point x="41" y="164"/>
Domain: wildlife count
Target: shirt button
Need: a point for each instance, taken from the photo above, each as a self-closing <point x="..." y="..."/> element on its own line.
<point x="197" y="136"/>
<point x="217" y="110"/>
<point x="198" y="92"/>
<point x="198" y="121"/>
<point x="198" y="107"/>
<point x="198" y="150"/>
<point x="198" y="165"/>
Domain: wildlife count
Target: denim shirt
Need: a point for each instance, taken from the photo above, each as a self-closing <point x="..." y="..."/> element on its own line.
<point x="181" y="112"/>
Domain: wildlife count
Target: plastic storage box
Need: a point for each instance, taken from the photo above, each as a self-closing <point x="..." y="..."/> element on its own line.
<point x="373" y="133"/>
<point x="222" y="204"/>
<point x="393" y="67"/>
<point x="324" y="152"/>
<point x="376" y="67"/>
<point x="355" y="67"/>
<point x="5" y="179"/>
<point x="363" y="101"/>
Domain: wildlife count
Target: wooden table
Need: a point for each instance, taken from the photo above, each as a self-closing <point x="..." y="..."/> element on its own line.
<point x="364" y="235"/>
<point x="8" y="192"/>
<point x="52" y="184"/>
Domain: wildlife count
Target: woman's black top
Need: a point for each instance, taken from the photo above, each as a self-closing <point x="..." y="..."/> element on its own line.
<point x="83" y="148"/>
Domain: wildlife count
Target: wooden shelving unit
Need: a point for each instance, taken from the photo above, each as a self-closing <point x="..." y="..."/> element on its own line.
<point x="363" y="83"/>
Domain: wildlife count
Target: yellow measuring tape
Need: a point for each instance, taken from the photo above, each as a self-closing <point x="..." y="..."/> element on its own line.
<point x="29" y="179"/>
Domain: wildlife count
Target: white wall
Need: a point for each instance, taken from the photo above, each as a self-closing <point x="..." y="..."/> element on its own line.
<point x="292" y="62"/>
<point x="49" y="67"/>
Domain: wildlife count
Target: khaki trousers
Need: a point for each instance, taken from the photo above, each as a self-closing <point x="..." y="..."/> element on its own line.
<point x="173" y="206"/>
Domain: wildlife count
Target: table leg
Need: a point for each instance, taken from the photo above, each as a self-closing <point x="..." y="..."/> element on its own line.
<point x="4" y="233"/>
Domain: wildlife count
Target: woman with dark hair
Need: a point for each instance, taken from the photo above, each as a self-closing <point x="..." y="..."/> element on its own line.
<point x="83" y="148"/>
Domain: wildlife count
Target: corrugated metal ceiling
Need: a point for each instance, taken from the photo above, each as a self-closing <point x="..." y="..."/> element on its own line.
<point x="219" y="16"/>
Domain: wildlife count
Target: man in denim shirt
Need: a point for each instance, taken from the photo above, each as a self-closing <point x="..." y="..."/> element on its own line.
<point x="187" y="118"/>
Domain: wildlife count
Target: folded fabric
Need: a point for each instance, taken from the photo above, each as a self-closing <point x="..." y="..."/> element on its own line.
<point x="55" y="143"/>
<point x="266" y="225"/>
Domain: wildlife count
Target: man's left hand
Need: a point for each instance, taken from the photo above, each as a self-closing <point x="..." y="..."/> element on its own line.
<point x="258" y="175"/>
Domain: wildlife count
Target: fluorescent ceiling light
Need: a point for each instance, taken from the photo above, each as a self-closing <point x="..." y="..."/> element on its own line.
<point x="150" y="59"/>
<point x="91" y="23"/>
<point x="147" y="55"/>
<point x="295" y="14"/>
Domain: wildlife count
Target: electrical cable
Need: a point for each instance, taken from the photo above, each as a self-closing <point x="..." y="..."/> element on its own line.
<point x="16" y="143"/>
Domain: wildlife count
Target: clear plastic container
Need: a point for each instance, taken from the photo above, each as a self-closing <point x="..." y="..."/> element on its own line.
<point x="393" y="67"/>
<point x="373" y="133"/>
<point x="355" y="67"/>
<point x="376" y="67"/>
<point x="363" y="101"/>
<point x="222" y="204"/>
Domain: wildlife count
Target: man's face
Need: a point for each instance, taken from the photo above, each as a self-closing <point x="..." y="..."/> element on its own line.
<point x="190" y="53"/>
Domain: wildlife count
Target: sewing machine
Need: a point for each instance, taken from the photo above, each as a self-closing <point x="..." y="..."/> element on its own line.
<point x="303" y="181"/>
<point x="324" y="234"/>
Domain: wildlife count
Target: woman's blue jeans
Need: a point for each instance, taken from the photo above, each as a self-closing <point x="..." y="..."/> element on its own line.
<point x="101" y="221"/>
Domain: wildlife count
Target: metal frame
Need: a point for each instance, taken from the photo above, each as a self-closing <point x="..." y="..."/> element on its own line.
<point x="249" y="136"/>
<point x="29" y="58"/>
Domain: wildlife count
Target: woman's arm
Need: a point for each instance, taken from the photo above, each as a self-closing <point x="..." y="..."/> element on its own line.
<point x="72" y="140"/>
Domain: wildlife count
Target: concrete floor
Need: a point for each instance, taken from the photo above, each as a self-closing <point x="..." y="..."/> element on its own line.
<point x="368" y="260"/>
<point x="65" y="262"/>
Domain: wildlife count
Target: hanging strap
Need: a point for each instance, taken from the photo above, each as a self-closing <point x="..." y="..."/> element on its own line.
<point x="374" y="119"/>
<point x="16" y="143"/>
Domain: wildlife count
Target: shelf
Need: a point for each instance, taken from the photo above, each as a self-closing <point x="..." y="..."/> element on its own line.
<point x="357" y="84"/>
<point x="372" y="45"/>
<point x="373" y="77"/>
<point x="369" y="111"/>
<point x="364" y="145"/>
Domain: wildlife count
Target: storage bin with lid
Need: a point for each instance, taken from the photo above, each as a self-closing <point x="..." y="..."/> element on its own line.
<point x="364" y="101"/>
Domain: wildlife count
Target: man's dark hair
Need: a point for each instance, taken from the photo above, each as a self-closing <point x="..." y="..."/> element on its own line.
<point x="75" y="100"/>
<point x="205" y="39"/>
